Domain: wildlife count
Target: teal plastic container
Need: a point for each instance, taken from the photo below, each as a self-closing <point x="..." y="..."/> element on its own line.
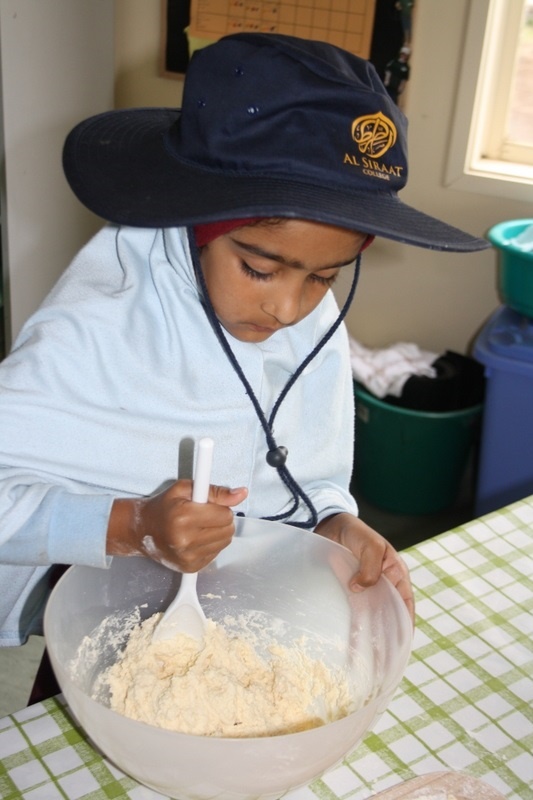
<point x="515" y="278"/>
<point x="411" y="462"/>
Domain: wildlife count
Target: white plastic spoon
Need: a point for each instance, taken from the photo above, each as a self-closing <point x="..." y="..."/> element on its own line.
<point x="185" y="614"/>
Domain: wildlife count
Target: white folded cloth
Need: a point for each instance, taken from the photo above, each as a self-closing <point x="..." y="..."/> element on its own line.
<point x="385" y="371"/>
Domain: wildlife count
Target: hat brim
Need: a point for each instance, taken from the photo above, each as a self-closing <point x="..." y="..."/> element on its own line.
<point x="120" y="165"/>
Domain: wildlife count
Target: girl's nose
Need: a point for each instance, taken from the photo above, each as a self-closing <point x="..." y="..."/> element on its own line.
<point x="284" y="306"/>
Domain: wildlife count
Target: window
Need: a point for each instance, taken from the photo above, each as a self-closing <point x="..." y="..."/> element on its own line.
<point x="492" y="140"/>
<point x="516" y="139"/>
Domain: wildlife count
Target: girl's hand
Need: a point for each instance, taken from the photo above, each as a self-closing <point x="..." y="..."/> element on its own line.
<point x="173" y="530"/>
<point x="375" y="554"/>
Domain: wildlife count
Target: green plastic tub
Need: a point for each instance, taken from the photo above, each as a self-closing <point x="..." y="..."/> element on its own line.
<point x="411" y="462"/>
<point x="515" y="276"/>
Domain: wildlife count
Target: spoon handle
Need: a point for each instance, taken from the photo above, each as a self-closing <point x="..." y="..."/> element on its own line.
<point x="185" y="613"/>
<point x="202" y="470"/>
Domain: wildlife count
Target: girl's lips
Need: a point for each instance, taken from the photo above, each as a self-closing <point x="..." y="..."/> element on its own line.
<point x="261" y="328"/>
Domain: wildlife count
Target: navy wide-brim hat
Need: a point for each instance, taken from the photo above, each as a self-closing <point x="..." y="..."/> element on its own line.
<point x="270" y="126"/>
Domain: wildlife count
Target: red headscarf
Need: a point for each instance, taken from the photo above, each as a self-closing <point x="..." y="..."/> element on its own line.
<point x="212" y="230"/>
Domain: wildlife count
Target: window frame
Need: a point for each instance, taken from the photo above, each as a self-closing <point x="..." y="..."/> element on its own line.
<point x="485" y="76"/>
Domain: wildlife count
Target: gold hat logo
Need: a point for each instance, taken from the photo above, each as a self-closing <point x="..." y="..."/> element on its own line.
<point x="374" y="134"/>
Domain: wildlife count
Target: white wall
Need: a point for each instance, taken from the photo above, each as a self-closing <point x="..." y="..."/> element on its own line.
<point x="438" y="300"/>
<point x="56" y="67"/>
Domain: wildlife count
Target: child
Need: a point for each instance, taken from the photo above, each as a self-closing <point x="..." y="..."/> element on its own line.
<point x="203" y="309"/>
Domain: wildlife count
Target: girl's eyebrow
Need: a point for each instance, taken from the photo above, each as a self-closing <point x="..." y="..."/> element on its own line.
<point x="288" y="262"/>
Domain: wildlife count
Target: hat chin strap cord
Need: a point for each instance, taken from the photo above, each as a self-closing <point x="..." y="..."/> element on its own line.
<point x="277" y="454"/>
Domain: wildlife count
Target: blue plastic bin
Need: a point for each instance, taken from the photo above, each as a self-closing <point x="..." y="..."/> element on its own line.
<point x="505" y="470"/>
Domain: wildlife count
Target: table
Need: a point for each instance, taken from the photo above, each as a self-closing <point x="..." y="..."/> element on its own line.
<point x="465" y="703"/>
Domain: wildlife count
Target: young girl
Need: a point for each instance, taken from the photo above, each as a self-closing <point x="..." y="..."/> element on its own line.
<point x="204" y="309"/>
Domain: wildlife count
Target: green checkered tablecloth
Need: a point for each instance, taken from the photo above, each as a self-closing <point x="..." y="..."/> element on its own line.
<point x="464" y="704"/>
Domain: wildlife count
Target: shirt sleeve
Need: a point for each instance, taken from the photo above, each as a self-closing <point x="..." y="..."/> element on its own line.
<point x="45" y="524"/>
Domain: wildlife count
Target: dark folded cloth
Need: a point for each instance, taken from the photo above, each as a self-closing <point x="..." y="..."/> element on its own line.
<point x="458" y="384"/>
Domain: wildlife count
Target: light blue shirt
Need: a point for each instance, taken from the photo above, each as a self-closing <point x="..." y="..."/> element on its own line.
<point x="109" y="382"/>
